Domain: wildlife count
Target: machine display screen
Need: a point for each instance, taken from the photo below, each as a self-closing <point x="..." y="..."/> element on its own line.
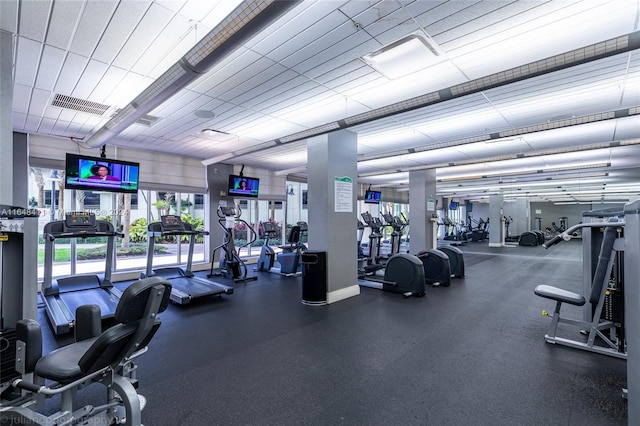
<point x="171" y="222"/>
<point x="80" y="219"/>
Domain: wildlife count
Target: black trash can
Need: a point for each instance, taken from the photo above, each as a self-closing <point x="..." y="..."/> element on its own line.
<point x="314" y="278"/>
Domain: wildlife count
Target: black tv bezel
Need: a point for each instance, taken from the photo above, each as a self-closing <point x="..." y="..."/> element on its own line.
<point x="70" y="159"/>
<point x="231" y="190"/>
<point x="367" y="200"/>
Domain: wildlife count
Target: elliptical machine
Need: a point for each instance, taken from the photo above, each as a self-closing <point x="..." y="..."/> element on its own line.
<point x="231" y="265"/>
<point x="403" y="273"/>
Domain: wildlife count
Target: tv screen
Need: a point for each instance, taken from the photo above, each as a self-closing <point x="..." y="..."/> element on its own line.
<point x="469" y="207"/>
<point x="372" y="197"/>
<point x="453" y="205"/>
<point x="100" y="174"/>
<point x="243" y="186"/>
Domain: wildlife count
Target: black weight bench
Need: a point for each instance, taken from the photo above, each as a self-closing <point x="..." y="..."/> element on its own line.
<point x="95" y="357"/>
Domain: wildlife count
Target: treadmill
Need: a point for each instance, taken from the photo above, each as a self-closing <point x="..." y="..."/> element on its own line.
<point x="184" y="285"/>
<point x="64" y="295"/>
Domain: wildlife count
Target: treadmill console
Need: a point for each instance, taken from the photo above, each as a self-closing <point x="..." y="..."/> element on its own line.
<point x="171" y="223"/>
<point x="80" y="220"/>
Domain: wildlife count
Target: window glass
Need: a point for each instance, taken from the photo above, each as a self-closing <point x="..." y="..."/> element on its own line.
<point x="129" y="213"/>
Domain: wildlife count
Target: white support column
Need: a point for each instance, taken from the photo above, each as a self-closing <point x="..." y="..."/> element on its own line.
<point x="422" y="208"/>
<point x="332" y="172"/>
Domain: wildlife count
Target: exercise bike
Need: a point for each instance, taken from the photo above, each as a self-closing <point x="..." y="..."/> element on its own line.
<point x="231" y="264"/>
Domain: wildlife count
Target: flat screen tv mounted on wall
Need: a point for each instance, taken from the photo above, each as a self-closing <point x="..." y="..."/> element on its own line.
<point x="86" y="173"/>
<point x="372" y="197"/>
<point x="243" y="186"/>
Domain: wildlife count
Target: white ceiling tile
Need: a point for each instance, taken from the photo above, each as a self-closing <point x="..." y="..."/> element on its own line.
<point x="52" y="112"/>
<point x="21" y="98"/>
<point x="215" y="12"/>
<point x="124" y="21"/>
<point x="19" y="120"/>
<point x="46" y="126"/>
<point x="50" y="66"/>
<point x="64" y="16"/>
<point x="33" y="19"/>
<point x="129" y="87"/>
<point x="300" y="20"/>
<point x="9" y="15"/>
<point x="71" y="71"/>
<point x="31" y="123"/>
<point x="163" y="51"/>
<point x="94" y="21"/>
<point x="110" y="79"/>
<point x="40" y="100"/>
<point x="28" y="55"/>
<point x="67" y="115"/>
<point x="152" y="23"/>
<point x="91" y="75"/>
<point x="172" y="5"/>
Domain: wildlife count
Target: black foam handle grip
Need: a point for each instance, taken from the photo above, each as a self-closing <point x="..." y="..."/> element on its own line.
<point x="21" y="384"/>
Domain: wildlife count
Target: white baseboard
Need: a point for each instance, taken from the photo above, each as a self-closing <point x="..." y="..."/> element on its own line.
<point x="343" y="293"/>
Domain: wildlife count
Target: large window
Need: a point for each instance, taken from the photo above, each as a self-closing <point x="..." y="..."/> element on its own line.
<point x="129" y="213"/>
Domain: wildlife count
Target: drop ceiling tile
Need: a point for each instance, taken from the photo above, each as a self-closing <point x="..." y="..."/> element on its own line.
<point x="64" y="16"/>
<point x="150" y="26"/>
<point x="94" y="21"/>
<point x="110" y="79"/>
<point x="90" y="78"/>
<point x="50" y="66"/>
<point x="163" y="51"/>
<point x="40" y="100"/>
<point x="125" y="19"/>
<point x="301" y="20"/>
<point x="33" y="19"/>
<point x="19" y="120"/>
<point x="28" y="55"/>
<point x="71" y="71"/>
<point x="21" y="98"/>
<point x="9" y="15"/>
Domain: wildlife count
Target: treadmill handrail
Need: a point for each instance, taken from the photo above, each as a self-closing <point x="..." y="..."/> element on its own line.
<point x="177" y="232"/>
<point x="82" y="234"/>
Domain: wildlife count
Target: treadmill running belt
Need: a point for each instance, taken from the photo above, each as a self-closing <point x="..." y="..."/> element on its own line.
<point x="97" y="296"/>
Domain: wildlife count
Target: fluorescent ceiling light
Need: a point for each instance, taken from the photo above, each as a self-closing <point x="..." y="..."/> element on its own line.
<point x="403" y="57"/>
<point x="291" y="170"/>
<point x="525" y="172"/>
<point x="218" y="159"/>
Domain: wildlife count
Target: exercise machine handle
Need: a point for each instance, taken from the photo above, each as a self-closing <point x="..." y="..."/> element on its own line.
<point x="552" y="242"/>
<point x="21" y="384"/>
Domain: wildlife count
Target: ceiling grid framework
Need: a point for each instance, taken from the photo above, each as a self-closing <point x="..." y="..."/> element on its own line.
<point x="547" y="75"/>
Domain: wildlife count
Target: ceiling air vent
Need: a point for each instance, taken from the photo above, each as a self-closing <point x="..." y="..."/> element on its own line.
<point x="147" y="120"/>
<point x="76" y="104"/>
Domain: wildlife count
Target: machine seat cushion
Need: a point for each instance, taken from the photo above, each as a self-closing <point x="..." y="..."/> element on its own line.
<point x="61" y="365"/>
<point x="559" y="295"/>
